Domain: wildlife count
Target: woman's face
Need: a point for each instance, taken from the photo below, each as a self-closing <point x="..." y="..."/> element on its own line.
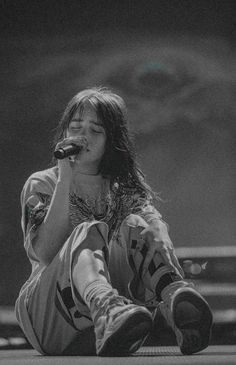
<point x="86" y="124"/>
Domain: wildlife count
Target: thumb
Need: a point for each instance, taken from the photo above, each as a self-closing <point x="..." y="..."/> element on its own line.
<point x="142" y="233"/>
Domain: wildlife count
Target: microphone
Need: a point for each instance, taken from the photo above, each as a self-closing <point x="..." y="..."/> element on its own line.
<point x="70" y="150"/>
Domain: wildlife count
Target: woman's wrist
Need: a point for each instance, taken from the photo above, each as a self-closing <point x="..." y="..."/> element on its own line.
<point x="63" y="184"/>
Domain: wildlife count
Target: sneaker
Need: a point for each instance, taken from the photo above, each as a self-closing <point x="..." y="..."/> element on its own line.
<point x="120" y="326"/>
<point x="190" y="317"/>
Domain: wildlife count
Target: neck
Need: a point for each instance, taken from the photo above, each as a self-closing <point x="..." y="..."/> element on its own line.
<point x="87" y="179"/>
<point x="87" y="173"/>
<point x="88" y="169"/>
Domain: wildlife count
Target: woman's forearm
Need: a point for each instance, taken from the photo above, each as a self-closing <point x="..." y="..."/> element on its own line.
<point x="56" y="225"/>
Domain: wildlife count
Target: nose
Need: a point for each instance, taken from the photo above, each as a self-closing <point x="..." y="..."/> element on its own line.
<point x="83" y="130"/>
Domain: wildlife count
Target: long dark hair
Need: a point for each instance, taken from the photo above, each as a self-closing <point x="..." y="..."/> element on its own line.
<point x="119" y="160"/>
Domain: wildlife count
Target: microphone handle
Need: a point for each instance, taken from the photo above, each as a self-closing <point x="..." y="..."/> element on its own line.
<point x="67" y="151"/>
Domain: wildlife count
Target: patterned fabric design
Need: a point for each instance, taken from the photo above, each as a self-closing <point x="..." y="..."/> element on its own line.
<point x="37" y="213"/>
<point x="87" y="209"/>
<point x="157" y="277"/>
<point x="116" y="203"/>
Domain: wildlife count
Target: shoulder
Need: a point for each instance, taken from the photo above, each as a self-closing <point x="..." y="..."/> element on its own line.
<point x="49" y="175"/>
<point x="44" y="179"/>
<point x="130" y="188"/>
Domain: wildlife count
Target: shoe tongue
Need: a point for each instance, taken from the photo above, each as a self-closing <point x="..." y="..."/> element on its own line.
<point x="110" y="301"/>
<point x="99" y="304"/>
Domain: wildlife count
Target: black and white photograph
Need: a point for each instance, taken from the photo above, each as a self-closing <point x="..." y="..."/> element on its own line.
<point x="118" y="182"/>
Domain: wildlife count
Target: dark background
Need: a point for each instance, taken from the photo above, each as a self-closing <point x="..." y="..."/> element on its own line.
<point x="45" y="17"/>
<point x="172" y="61"/>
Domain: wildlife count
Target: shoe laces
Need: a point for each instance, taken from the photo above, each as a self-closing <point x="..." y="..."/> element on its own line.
<point x="109" y="302"/>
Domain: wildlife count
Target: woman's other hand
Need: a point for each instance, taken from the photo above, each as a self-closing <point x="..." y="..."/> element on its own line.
<point x="157" y="240"/>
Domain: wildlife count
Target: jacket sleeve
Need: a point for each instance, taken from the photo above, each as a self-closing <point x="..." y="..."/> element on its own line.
<point x="35" y="201"/>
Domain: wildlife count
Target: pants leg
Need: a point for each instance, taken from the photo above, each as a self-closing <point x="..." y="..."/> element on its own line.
<point x="143" y="289"/>
<point x="184" y="310"/>
<point x="60" y="318"/>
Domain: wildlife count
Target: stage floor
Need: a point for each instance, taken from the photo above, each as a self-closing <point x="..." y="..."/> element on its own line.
<point x="165" y="355"/>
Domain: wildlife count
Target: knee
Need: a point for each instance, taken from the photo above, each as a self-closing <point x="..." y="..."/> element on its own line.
<point x="134" y="221"/>
<point x="131" y="227"/>
<point x="91" y="236"/>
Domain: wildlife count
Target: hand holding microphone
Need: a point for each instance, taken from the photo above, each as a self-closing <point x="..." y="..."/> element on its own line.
<point x="70" y="147"/>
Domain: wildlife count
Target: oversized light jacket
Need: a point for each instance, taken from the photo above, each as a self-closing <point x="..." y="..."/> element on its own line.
<point x="121" y="200"/>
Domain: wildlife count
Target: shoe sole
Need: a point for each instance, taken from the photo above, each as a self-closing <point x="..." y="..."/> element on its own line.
<point x="202" y="324"/>
<point x="129" y="337"/>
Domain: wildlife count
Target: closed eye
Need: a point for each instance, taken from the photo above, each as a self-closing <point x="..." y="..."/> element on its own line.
<point x="97" y="131"/>
<point x="75" y="128"/>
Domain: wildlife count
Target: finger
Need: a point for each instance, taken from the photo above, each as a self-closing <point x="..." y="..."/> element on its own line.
<point x="139" y="246"/>
<point x="143" y="232"/>
<point x="74" y="139"/>
<point x="148" y="259"/>
<point x="174" y="259"/>
<point x="80" y="140"/>
<point x="167" y="258"/>
<point x="176" y="263"/>
<point x="63" y="143"/>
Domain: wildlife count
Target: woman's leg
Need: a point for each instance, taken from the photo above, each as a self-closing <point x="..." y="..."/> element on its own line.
<point x="183" y="307"/>
<point x="54" y="316"/>
<point x="89" y="270"/>
<point x="120" y="326"/>
<point x="56" y="304"/>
